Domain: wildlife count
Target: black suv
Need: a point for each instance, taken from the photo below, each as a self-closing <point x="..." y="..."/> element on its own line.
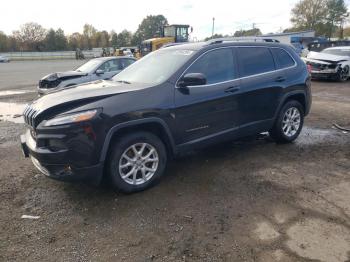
<point x="172" y="100"/>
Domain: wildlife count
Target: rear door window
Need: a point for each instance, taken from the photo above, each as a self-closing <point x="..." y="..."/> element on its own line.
<point x="216" y="65"/>
<point x="111" y="66"/>
<point x="283" y="59"/>
<point x="254" y="60"/>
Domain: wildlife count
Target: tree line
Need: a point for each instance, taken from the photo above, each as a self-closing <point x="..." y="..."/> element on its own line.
<point x="327" y="17"/>
<point x="34" y="37"/>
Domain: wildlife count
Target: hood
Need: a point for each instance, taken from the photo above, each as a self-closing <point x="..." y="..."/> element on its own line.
<point x="82" y="94"/>
<point x="328" y="58"/>
<point x="63" y="75"/>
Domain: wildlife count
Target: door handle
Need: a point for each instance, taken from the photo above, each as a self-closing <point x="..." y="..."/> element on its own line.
<point x="232" y="89"/>
<point x="280" y="79"/>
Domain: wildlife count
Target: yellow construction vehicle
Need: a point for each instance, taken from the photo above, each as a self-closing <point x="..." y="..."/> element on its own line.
<point x="170" y="34"/>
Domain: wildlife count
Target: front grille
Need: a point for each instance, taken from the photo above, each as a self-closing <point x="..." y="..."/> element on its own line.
<point x="29" y="115"/>
<point x="317" y="66"/>
<point x="49" y="84"/>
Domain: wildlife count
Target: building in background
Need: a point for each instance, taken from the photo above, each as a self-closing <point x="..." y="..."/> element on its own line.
<point x="293" y="37"/>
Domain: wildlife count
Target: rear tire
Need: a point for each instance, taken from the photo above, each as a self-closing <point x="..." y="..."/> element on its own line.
<point x="289" y="123"/>
<point x="136" y="162"/>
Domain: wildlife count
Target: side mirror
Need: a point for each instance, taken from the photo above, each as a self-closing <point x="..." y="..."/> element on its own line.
<point x="99" y="72"/>
<point x="192" y="79"/>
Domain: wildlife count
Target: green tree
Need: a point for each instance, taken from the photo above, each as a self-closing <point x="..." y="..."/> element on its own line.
<point x="250" y="32"/>
<point x="50" y="40"/>
<point x="323" y="16"/>
<point x="30" y="36"/>
<point x="61" y="40"/>
<point x="89" y="36"/>
<point x="12" y="44"/>
<point x="308" y="14"/>
<point x="3" y="42"/>
<point x="150" y="27"/>
<point x="336" y="15"/>
<point x="75" y="41"/>
<point x="55" y="40"/>
<point x="346" y="31"/>
<point x="114" y="38"/>
<point x="124" y="38"/>
<point x="213" y="37"/>
<point x="103" y="39"/>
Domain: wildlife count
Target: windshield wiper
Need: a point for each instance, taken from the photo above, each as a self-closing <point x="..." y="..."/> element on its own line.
<point x="123" y="81"/>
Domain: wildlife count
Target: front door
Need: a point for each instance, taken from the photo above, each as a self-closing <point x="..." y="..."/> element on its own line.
<point x="206" y="110"/>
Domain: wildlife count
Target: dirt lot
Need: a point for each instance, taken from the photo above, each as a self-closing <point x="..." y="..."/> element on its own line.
<point x="249" y="200"/>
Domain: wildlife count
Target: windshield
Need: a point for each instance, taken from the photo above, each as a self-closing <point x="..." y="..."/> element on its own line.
<point x="169" y="31"/>
<point x="340" y="52"/>
<point x="155" y="67"/>
<point x="88" y="66"/>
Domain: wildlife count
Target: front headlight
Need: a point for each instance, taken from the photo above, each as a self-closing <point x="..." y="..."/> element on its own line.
<point x="72" y="118"/>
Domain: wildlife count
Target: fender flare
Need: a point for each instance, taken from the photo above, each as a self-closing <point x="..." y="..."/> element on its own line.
<point x="118" y="127"/>
<point x="288" y="95"/>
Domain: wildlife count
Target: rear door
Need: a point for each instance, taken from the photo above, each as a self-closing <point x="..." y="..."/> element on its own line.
<point x="261" y="85"/>
<point x="208" y="109"/>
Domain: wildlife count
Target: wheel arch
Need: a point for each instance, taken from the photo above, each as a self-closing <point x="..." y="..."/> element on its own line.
<point x="299" y="96"/>
<point x="153" y="125"/>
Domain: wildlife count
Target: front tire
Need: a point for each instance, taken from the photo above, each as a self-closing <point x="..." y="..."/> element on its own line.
<point x="343" y="74"/>
<point x="289" y="123"/>
<point x="136" y="162"/>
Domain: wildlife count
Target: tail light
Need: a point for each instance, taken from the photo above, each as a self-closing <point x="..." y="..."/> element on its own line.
<point x="309" y="68"/>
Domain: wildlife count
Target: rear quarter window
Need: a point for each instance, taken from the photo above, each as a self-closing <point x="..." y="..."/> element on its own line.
<point x="283" y="59"/>
<point x="255" y="60"/>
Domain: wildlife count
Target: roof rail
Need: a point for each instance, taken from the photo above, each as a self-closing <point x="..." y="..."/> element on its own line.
<point x="242" y="39"/>
<point x="172" y="44"/>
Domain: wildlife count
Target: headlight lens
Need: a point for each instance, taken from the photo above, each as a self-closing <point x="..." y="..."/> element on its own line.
<point x="73" y="118"/>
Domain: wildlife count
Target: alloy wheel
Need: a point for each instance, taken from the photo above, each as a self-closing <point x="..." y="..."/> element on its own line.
<point x="138" y="163"/>
<point x="291" y="122"/>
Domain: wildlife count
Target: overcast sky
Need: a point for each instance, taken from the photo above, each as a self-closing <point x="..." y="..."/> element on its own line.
<point x="71" y="15"/>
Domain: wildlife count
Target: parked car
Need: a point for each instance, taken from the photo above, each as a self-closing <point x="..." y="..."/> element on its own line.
<point x="94" y="69"/>
<point x="330" y="63"/>
<point x="4" y="59"/>
<point x="170" y="101"/>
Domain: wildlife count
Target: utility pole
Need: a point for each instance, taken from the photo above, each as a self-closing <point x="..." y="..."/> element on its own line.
<point x="212" y="30"/>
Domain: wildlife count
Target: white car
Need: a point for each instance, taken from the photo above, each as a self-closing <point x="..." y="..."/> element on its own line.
<point x="128" y="53"/>
<point x="4" y="59"/>
<point x="102" y="68"/>
<point x="330" y="63"/>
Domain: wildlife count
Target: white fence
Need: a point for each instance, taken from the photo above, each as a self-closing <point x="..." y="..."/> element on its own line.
<point x="50" y="55"/>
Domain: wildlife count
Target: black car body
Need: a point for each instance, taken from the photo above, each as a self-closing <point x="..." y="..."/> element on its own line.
<point x="215" y="91"/>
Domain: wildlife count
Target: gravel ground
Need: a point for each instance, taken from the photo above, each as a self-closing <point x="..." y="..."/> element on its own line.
<point x="249" y="200"/>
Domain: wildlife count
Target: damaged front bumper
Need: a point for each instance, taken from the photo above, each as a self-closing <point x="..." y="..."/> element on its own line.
<point x="57" y="164"/>
<point x="321" y="69"/>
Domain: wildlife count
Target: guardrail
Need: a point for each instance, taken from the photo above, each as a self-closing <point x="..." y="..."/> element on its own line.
<point x="20" y="56"/>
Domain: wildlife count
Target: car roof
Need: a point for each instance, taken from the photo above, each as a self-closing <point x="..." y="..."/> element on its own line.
<point x="103" y="59"/>
<point x="209" y="45"/>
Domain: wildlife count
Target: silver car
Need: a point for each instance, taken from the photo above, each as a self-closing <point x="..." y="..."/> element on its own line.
<point x="95" y="69"/>
<point x="4" y="59"/>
